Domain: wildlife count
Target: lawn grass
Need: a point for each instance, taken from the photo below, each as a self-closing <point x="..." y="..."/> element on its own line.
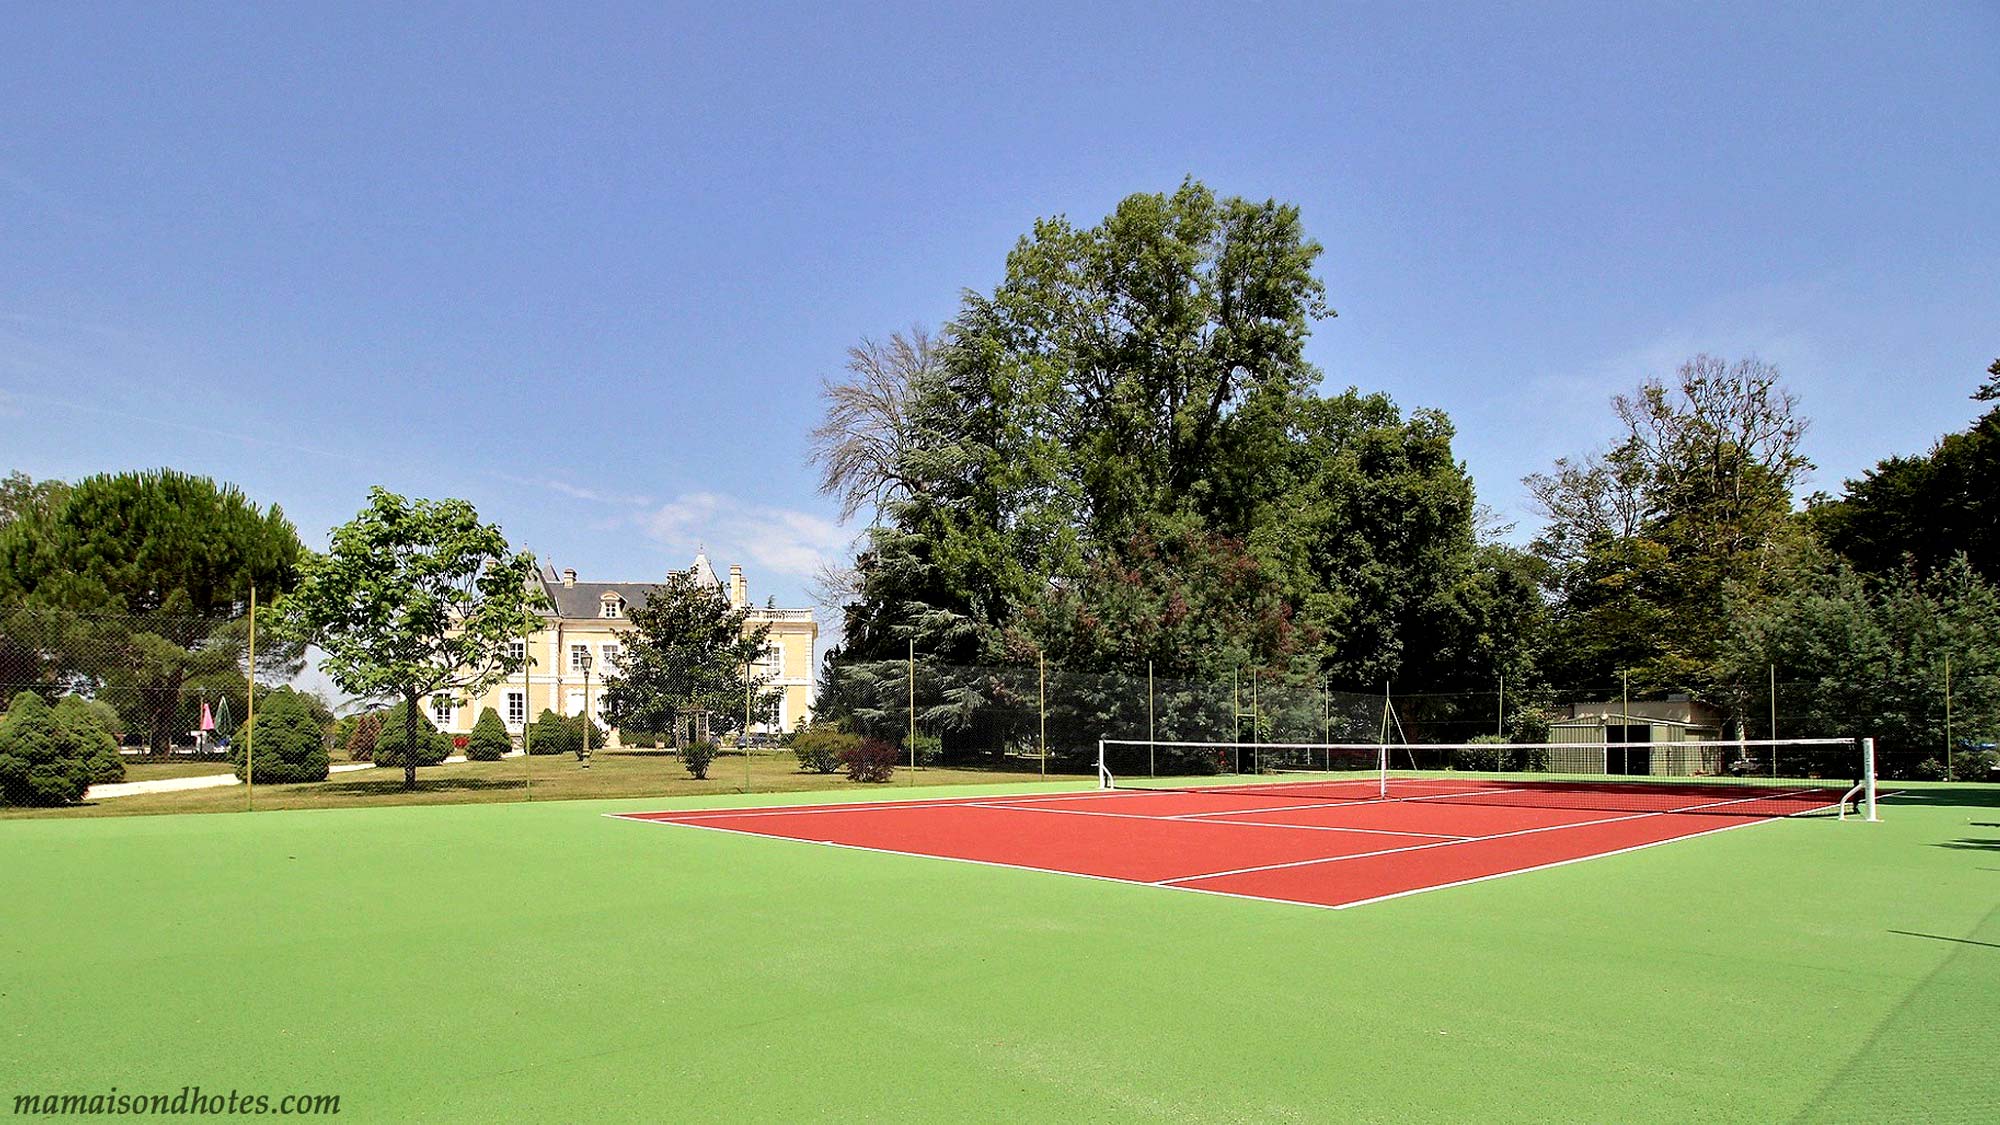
<point x="612" y="773"/>
<point x="146" y="769"/>
<point x="543" y="962"/>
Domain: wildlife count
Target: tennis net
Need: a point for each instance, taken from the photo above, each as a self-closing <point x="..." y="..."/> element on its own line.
<point x="1752" y="777"/>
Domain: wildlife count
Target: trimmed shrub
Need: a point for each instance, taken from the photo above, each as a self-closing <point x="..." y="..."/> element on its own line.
<point x="1486" y="757"/>
<point x="872" y="760"/>
<point x="43" y="762"/>
<point x="432" y="746"/>
<point x="818" y="748"/>
<point x="287" y="739"/>
<point x="555" y="734"/>
<point x="361" y="740"/>
<point x="489" y="741"/>
<point x="1966" y="765"/>
<point x="698" y="756"/>
<point x="92" y="723"/>
<point x="930" y="749"/>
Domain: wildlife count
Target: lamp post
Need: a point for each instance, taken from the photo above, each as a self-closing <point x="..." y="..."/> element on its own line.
<point x="585" y="661"/>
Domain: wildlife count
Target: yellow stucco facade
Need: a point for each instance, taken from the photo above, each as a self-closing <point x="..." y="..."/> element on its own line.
<point x="587" y="618"/>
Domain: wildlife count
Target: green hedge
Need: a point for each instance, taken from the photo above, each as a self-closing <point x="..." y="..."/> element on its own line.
<point x="554" y="734"/>
<point x="43" y="761"/>
<point x="94" y="723"/>
<point x="819" y="748"/>
<point x="287" y="738"/>
<point x="489" y="741"/>
<point x="563" y="734"/>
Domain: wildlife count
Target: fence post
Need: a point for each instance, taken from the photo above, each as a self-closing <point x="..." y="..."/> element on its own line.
<point x="250" y="714"/>
<point x="1235" y="708"/>
<point x="913" y="710"/>
<point x="1624" y="721"/>
<point x="1151" y="736"/>
<point x="1947" y="716"/>
<point x="1042" y="665"/>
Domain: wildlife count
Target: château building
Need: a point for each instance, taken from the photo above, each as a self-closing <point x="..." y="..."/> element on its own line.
<point x="585" y="618"/>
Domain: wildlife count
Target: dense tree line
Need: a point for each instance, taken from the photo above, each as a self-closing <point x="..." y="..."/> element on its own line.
<point x="136" y="586"/>
<point x="1119" y="457"/>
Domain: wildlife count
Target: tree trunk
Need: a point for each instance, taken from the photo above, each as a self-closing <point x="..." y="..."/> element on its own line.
<point x="410" y="740"/>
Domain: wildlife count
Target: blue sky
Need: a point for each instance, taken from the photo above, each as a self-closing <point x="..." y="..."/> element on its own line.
<point x="587" y="268"/>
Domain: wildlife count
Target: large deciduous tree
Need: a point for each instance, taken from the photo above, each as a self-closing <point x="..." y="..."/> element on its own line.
<point x="1693" y="504"/>
<point x="1118" y="455"/>
<point x="688" y="649"/>
<point x="862" y="446"/>
<point x="136" y="586"/>
<point x="414" y="598"/>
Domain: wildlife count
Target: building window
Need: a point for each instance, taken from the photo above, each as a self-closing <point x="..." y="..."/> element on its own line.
<point x="610" y="657"/>
<point x="774" y="659"/>
<point x="441" y="709"/>
<point x="614" y="606"/>
<point x="517" y="652"/>
<point x="577" y="655"/>
<point x="517" y="708"/>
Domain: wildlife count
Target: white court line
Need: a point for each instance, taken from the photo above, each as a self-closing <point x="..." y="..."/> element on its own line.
<point x="852" y="806"/>
<point x="1747" y="822"/>
<point x="1165" y="885"/>
<point x="1339" y="804"/>
<point x="1214" y="819"/>
<point x="1472" y="839"/>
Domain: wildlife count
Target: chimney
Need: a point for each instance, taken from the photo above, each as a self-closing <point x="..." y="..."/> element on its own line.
<point x="739" y="590"/>
<point x="569" y="579"/>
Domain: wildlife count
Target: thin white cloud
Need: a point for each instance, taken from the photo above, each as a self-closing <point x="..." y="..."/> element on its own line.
<point x="14" y="398"/>
<point x="772" y="540"/>
<point x="578" y="492"/>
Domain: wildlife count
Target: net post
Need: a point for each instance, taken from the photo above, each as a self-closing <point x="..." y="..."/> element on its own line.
<point x="1868" y="777"/>
<point x="1103" y="771"/>
<point x="1381" y="771"/>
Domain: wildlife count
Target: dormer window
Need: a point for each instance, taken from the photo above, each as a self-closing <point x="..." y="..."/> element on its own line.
<point x="612" y="606"/>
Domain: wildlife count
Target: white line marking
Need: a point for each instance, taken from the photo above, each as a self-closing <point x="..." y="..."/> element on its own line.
<point x="1556" y="863"/>
<point x="1215" y="818"/>
<point x="1135" y="882"/>
<point x="851" y="806"/>
<point x="1468" y="840"/>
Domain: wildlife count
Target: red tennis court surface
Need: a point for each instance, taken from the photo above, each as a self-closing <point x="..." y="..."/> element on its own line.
<point x="1332" y="844"/>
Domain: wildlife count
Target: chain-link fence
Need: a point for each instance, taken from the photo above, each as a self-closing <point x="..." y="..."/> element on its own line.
<point x="1052" y="718"/>
<point x="147" y="713"/>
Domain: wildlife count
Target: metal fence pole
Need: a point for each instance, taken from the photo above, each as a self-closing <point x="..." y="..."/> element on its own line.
<point x="913" y="710"/>
<point x="1150" y="735"/>
<point x="250" y="714"/>
<point x="527" y="710"/>
<point x="1947" y="716"/>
